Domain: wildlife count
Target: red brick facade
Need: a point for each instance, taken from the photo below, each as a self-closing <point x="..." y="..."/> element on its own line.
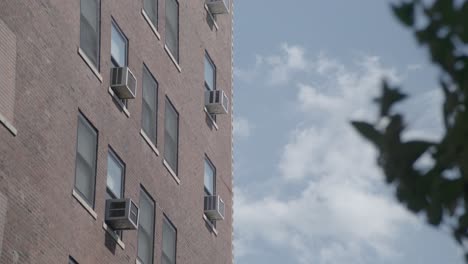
<point x="40" y="220"/>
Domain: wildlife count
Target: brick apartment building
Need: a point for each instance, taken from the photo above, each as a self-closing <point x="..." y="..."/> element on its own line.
<point x="103" y="100"/>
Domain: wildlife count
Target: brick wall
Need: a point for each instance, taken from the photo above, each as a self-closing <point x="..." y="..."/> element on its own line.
<point x="43" y="222"/>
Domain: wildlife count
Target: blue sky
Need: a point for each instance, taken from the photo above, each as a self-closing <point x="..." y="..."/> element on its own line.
<point x="307" y="189"/>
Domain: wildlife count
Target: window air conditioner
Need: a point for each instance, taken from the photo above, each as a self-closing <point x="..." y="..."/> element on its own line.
<point x="216" y="102"/>
<point x="123" y="83"/>
<point x="214" y="207"/>
<point x="218" y="6"/>
<point x="121" y="214"/>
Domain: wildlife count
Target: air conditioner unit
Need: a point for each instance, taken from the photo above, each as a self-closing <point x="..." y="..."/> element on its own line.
<point x="123" y="83"/>
<point x="218" y="6"/>
<point x="216" y="102"/>
<point x="121" y="214"/>
<point x="214" y="207"/>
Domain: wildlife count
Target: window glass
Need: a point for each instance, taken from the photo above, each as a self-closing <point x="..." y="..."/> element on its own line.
<point x="172" y="27"/>
<point x="171" y="135"/>
<point x="151" y="9"/>
<point x="85" y="172"/>
<point x="149" y="107"/>
<point x="115" y="174"/>
<point x="210" y="73"/>
<point x="89" y="29"/>
<point x="118" y="47"/>
<point x="146" y="229"/>
<point x="169" y="243"/>
<point x="209" y="178"/>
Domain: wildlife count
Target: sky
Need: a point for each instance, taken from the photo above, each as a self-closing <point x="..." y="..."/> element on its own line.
<point x="307" y="188"/>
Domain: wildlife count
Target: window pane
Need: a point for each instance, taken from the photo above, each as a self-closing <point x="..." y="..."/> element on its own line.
<point x="169" y="243"/>
<point x="84" y="181"/>
<point x="149" y="111"/>
<point x="172" y="27"/>
<point x="86" y="160"/>
<point x="118" y="47"/>
<point x="146" y="229"/>
<point x="209" y="178"/>
<point x="171" y="136"/>
<point x="115" y="171"/>
<point x="150" y="7"/>
<point x="89" y="29"/>
<point x="209" y="74"/>
<point x="145" y="248"/>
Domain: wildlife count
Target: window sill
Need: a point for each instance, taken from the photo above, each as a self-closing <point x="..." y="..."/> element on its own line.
<point x="84" y="204"/>
<point x="212" y="17"/>
<point x="8" y="125"/>
<point x="173" y="174"/>
<point x="89" y="63"/>
<point x="150" y="23"/>
<point x="166" y="48"/>
<point x="113" y="235"/>
<point x="211" y="118"/>
<point x="117" y="100"/>
<point x="148" y="141"/>
<point x="213" y="229"/>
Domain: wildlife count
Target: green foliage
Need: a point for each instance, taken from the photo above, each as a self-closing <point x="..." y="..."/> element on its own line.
<point x="440" y="190"/>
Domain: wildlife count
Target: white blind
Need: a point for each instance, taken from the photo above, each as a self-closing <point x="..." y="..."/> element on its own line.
<point x="146" y="229"/>
<point x="169" y="243"/>
<point x="149" y="109"/>
<point x="89" y="29"/>
<point x="171" y="136"/>
<point x="86" y="159"/>
<point x="172" y="27"/>
<point x="150" y="7"/>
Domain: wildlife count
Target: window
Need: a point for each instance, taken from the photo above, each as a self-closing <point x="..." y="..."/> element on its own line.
<point x="171" y="136"/>
<point x="89" y="29"/>
<point x="210" y="182"/>
<point x="119" y="50"/>
<point x="172" y="27"/>
<point x="210" y="78"/>
<point x="71" y="260"/>
<point x="169" y="238"/>
<point x="119" y="47"/>
<point x="115" y="180"/>
<point x="151" y="10"/>
<point x="115" y="177"/>
<point x="85" y="171"/>
<point x="210" y="178"/>
<point x="210" y="74"/>
<point x="146" y="229"/>
<point x="149" y="105"/>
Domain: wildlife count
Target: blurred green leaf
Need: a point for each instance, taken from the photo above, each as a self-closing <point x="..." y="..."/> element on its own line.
<point x="368" y="131"/>
<point x="405" y="13"/>
<point x="413" y="150"/>
<point x="434" y="213"/>
<point x="389" y="97"/>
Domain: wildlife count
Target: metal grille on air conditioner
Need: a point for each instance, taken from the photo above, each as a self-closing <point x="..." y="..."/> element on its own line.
<point x="121" y="214"/>
<point x="216" y="102"/>
<point x="214" y="207"/>
<point x="123" y="83"/>
<point x="218" y="6"/>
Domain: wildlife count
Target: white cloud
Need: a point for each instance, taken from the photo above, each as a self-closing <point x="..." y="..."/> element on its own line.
<point x="282" y="67"/>
<point x="242" y="127"/>
<point x="344" y="210"/>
